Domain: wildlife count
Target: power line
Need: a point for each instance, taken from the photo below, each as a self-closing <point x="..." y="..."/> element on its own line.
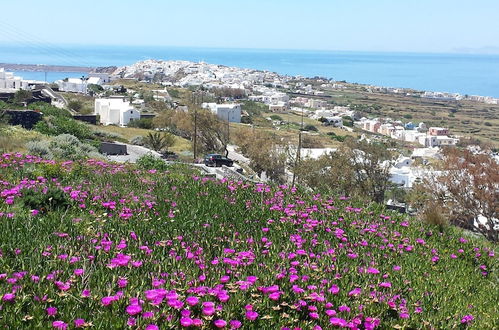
<point x="36" y="44"/>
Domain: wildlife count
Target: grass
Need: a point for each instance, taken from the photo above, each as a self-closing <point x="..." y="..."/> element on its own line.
<point x="88" y="102"/>
<point x="111" y="244"/>
<point x="14" y="138"/>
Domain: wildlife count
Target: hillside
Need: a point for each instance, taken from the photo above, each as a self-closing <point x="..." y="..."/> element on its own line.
<point x="108" y="245"/>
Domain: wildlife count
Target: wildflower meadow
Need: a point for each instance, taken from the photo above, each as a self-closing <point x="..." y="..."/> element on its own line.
<point x="113" y="246"/>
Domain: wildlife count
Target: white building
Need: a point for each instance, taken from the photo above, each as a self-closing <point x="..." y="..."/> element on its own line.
<point x="105" y="78"/>
<point x="334" y="121"/>
<point x="74" y="85"/>
<point x="9" y="81"/>
<point x="230" y="112"/>
<point x="115" y="111"/>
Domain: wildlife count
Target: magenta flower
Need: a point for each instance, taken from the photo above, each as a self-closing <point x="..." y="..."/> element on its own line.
<point x="122" y="282"/>
<point x="467" y="319"/>
<point x="355" y="292"/>
<point x="185" y="321"/>
<point x="60" y="325"/>
<point x="251" y="315"/>
<point x="79" y="323"/>
<point x="51" y="311"/>
<point x="152" y="327"/>
<point x="313" y="315"/>
<point x="385" y="284"/>
<point x="106" y="301"/>
<point x="338" y="322"/>
<point x="9" y="297"/>
<point x="334" y="289"/>
<point x="404" y="315"/>
<point x="79" y="271"/>
<point x="197" y="322"/>
<point x="220" y="323"/>
<point x="133" y="309"/>
<point x="235" y="324"/>
<point x="192" y="301"/>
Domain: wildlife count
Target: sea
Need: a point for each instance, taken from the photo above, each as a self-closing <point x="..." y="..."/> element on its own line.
<point x="472" y="74"/>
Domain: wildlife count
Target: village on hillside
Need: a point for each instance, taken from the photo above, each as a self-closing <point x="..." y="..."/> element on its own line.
<point x="123" y="97"/>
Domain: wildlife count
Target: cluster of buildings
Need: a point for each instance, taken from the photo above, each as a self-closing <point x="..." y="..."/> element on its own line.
<point x="9" y="81"/>
<point x="457" y="97"/>
<point x="277" y="101"/>
<point x="186" y="73"/>
<point x="432" y="137"/>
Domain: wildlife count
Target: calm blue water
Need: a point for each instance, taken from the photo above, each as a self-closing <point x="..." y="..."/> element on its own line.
<point x="462" y="73"/>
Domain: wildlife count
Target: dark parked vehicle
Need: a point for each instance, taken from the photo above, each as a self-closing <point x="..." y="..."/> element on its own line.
<point x="168" y="155"/>
<point x="217" y="160"/>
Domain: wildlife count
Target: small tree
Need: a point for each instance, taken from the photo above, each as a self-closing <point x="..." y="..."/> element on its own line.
<point x="22" y="96"/>
<point x="75" y="105"/>
<point x="467" y="190"/>
<point x="159" y="141"/>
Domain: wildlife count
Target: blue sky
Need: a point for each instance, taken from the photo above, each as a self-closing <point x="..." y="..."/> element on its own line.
<point x="366" y="25"/>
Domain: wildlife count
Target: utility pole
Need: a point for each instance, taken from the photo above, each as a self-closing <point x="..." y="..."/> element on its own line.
<point x="298" y="151"/>
<point x="195" y="126"/>
<point x="228" y="134"/>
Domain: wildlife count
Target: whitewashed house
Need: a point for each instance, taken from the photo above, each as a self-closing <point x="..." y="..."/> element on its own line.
<point x="9" y="81"/>
<point x="74" y="85"/>
<point x="105" y="78"/>
<point x="334" y="121"/>
<point x="115" y="111"/>
<point x="229" y="112"/>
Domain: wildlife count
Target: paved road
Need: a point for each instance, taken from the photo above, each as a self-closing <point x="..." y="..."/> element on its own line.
<point x="134" y="153"/>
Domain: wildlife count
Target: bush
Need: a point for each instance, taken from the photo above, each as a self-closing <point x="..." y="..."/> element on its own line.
<point x="75" y="105"/>
<point x="150" y="162"/>
<point x="276" y="117"/>
<point x="433" y="215"/>
<point x="145" y="123"/>
<point x="64" y="146"/>
<point x="310" y="128"/>
<point x="57" y="125"/>
<point x="246" y="120"/>
<point x="51" y="200"/>
<point x="49" y="110"/>
<point x="108" y="135"/>
<point x="138" y="140"/>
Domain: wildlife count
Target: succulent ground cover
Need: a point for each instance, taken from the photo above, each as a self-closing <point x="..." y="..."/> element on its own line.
<point x="107" y="246"/>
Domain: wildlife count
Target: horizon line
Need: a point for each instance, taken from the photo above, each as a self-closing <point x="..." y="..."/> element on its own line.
<point x="457" y="51"/>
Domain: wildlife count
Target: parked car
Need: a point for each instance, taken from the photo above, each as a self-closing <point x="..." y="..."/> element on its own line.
<point x="217" y="160"/>
<point x="169" y="155"/>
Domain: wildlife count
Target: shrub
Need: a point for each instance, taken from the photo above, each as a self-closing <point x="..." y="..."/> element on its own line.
<point x="311" y="128"/>
<point x="150" y="162"/>
<point x="276" y="117"/>
<point x="49" y="110"/>
<point x="51" y="200"/>
<point x="138" y="140"/>
<point x="64" y="146"/>
<point x="145" y="123"/>
<point x="433" y="215"/>
<point x="53" y="125"/>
